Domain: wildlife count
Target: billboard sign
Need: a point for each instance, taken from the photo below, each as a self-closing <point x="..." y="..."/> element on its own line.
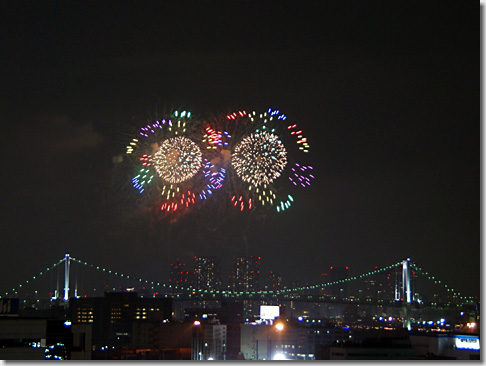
<point x="467" y="342"/>
<point x="269" y="312"/>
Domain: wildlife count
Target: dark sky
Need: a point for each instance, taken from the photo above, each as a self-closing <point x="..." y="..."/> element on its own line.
<point x="387" y="93"/>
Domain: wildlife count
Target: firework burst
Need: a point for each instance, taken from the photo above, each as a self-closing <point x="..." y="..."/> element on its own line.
<point x="167" y="161"/>
<point x="253" y="159"/>
<point x="259" y="155"/>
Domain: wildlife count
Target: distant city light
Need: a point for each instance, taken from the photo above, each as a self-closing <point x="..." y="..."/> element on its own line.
<point x="279" y="326"/>
<point x="197" y="323"/>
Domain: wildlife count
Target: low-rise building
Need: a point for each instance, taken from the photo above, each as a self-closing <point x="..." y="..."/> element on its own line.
<point x="113" y="315"/>
<point x="461" y="346"/>
<point x="44" y="339"/>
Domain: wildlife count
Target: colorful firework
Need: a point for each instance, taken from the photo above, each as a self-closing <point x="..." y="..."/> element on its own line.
<point x="168" y="161"/>
<point x="303" y="177"/>
<point x="177" y="160"/>
<point x="258" y="156"/>
<point x="217" y="157"/>
<point x="252" y="158"/>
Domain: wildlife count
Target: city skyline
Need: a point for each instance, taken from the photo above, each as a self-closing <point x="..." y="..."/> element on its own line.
<point x="387" y="96"/>
<point x="71" y="277"/>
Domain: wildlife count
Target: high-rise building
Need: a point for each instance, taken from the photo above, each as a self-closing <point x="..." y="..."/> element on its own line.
<point x="246" y="277"/>
<point x="178" y="275"/>
<point x="246" y="274"/>
<point x="207" y="273"/>
<point x="275" y="281"/>
<point x="382" y="285"/>
<point x="336" y="274"/>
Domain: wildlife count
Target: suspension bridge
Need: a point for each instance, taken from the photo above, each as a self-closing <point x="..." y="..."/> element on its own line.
<point x="408" y="287"/>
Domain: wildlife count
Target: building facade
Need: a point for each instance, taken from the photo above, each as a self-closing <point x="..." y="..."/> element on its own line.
<point x="207" y="273"/>
<point x="178" y="275"/>
<point x="44" y="339"/>
<point x="246" y="274"/>
<point x="113" y="315"/>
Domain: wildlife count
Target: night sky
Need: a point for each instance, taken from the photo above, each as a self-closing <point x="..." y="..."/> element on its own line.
<point x="386" y="92"/>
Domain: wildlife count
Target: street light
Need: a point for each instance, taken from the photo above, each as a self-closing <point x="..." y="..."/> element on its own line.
<point x="197" y="353"/>
<point x="279" y="327"/>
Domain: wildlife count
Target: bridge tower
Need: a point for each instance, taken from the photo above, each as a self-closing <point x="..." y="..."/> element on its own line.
<point x="406" y="283"/>
<point x="406" y="292"/>
<point x="67" y="262"/>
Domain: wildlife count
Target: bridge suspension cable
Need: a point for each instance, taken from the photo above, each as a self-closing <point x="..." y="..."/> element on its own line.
<point x="438" y="282"/>
<point x="17" y="288"/>
<point x="271" y="292"/>
<point x="286" y="291"/>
